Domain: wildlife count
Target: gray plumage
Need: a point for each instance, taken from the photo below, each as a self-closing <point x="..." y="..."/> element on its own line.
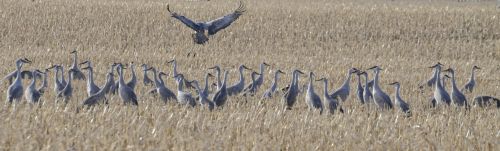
<point x="92" y="88"/>
<point x="343" y="92"/>
<point x="251" y="91"/>
<point x="238" y="87"/>
<point x="160" y="87"/>
<point x="100" y="95"/>
<point x="113" y="88"/>
<point x="45" y="83"/>
<point x="183" y="97"/>
<point x="457" y="96"/>
<point x="212" y="27"/>
<point x="290" y="96"/>
<point x="31" y="94"/>
<point x="359" y="90"/>
<point x="333" y="104"/>
<point x="469" y="86"/>
<point x="24" y="74"/>
<point x="204" y="92"/>
<point x="367" y="94"/>
<point x="67" y="92"/>
<point x="126" y="93"/>
<point x="15" y="90"/>
<point x="440" y="94"/>
<point x="485" y="101"/>
<point x="381" y="99"/>
<point x="217" y="71"/>
<point x="77" y="74"/>
<point x="145" y="79"/>
<point x="133" y="81"/>
<point x="220" y="96"/>
<point x="398" y="101"/>
<point x="260" y="80"/>
<point x="202" y="99"/>
<point x="274" y="85"/>
<point x="58" y="86"/>
<point x="312" y="99"/>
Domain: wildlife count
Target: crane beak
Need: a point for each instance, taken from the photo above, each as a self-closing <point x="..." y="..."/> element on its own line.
<point x="74" y="51"/>
<point x="246" y="67"/>
<point x="372" y="68"/>
<point x="170" y="61"/>
<point x="25" y="60"/>
<point x="320" y="79"/>
<point x="279" y="71"/>
<point x="394" y="83"/>
<point x="214" y="67"/>
<point x="476" y="67"/>
<point x="86" y="68"/>
<point x="210" y="75"/>
<point x="266" y="64"/>
<point x="300" y="72"/>
<point x="83" y="62"/>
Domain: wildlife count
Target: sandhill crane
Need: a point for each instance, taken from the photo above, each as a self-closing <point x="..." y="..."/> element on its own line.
<point x="146" y="80"/>
<point x="440" y="94"/>
<point x="403" y="106"/>
<point x="126" y="93"/>
<point x="290" y="96"/>
<point x="443" y="82"/>
<point x="77" y="74"/>
<point x="31" y="94"/>
<point x="274" y="85"/>
<point x="165" y="93"/>
<point x="469" y="86"/>
<point x="212" y="27"/>
<point x="67" y="92"/>
<point x="333" y="104"/>
<point x="312" y="99"/>
<point x="58" y="86"/>
<point x="220" y="96"/>
<point x="63" y="81"/>
<point x="202" y="99"/>
<point x="133" y="81"/>
<point x="238" y="87"/>
<point x="175" y="73"/>
<point x="45" y="83"/>
<point x="432" y="79"/>
<point x="457" y="96"/>
<point x="15" y="90"/>
<point x="343" y="92"/>
<point x="252" y="90"/>
<point x="367" y="94"/>
<point x="183" y="97"/>
<point x="260" y="80"/>
<point x="217" y="71"/>
<point x="359" y="90"/>
<point x="204" y="92"/>
<point x="100" y="95"/>
<point x="381" y="99"/>
<point x="485" y="101"/>
<point x="113" y="88"/>
<point x="91" y="87"/>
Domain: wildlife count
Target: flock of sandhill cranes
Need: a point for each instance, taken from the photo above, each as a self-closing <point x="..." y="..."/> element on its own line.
<point x="370" y="93"/>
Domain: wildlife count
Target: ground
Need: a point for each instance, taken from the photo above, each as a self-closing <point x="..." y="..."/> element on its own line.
<point x="323" y="36"/>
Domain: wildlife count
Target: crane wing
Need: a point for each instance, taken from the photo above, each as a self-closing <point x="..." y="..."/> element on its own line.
<point x="188" y="22"/>
<point x="220" y="23"/>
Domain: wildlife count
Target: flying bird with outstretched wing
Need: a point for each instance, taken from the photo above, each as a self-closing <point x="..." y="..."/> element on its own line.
<point x="212" y="27"/>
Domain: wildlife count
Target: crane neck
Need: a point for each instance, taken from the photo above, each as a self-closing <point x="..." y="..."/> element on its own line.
<point x="62" y="74"/>
<point x="155" y="78"/>
<point x="75" y="64"/>
<point x="181" y="82"/>
<point x="120" y="76"/>
<point x="472" y="78"/>
<point x="453" y="84"/>
<point x="90" y="80"/>
<point x="325" y="88"/>
<point x="224" y="82"/>
<point x="310" y="86"/>
<point x="44" y="82"/>
<point x="375" y="80"/>
<point x="206" y="83"/>
<point x="33" y="81"/>
<point x="348" y="79"/>
<point x="438" y="77"/>
<point x="398" y="96"/>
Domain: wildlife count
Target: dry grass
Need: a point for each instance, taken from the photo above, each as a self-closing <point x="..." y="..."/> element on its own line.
<point x="316" y="35"/>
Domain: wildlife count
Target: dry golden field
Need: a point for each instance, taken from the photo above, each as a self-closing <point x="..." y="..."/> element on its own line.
<point x="323" y="36"/>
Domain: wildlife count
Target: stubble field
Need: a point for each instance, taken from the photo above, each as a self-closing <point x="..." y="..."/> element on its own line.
<point x="323" y="36"/>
